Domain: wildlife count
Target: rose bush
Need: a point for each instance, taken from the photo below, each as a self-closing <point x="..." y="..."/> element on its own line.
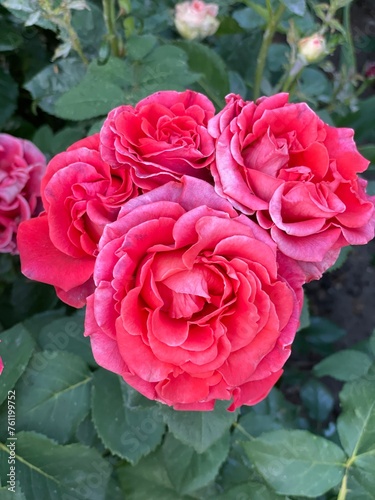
<point x="196" y="19"/>
<point x="80" y="194"/>
<point x="21" y="168"/>
<point x="297" y="174"/>
<point x="162" y="138"/>
<point x="189" y="304"/>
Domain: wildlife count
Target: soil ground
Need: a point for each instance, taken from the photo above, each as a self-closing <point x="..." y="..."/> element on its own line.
<point x="346" y="296"/>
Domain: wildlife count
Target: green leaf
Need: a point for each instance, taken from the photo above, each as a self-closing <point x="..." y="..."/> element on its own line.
<point x="199" y="429"/>
<point x="356" y="428"/>
<point x="16" y="348"/>
<point x="322" y="331"/>
<point x="50" y="471"/>
<point x="372" y="343"/>
<point x="86" y="434"/>
<point x="53" y="396"/>
<point x="139" y="47"/>
<point x="148" y="480"/>
<point x="273" y="413"/>
<point x="361" y="479"/>
<point x="297" y="7"/>
<point x="248" y="19"/>
<point x="8" y="97"/>
<point x="129" y="434"/>
<point x="213" y="80"/>
<point x="10" y="38"/>
<point x="165" y="68"/>
<point x="278" y="407"/>
<point x="39" y="321"/>
<point x="114" y="491"/>
<point x="317" y="399"/>
<point x="249" y="491"/>
<point x="66" y="334"/>
<point x="361" y="121"/>
<point x="6" y="494"/>
<point x="368" y="151"/>
<point x="28" y="11"/>
<point x="53" y="81"/>
<point x="91" y="98"/>
<point x="344" y="253"/>
<point x="356" y="424"/>
<point x="89" y="26"/>
<point x="28" y="298"/>
<point x="116" y="71"/>
<point x="188" y="470"/>
<point x="100" y="90"/>
<point x="314" y="84"/>
<point x="52" y="144"/>
<point x="297" y="462"/>
<point x="278" y="55"/>
<point x="344" y="365"/>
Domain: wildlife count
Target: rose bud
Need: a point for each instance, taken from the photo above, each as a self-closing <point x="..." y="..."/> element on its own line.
<point x="21" y="168"/>
<point x="196" y="20"/>
<point x="312" y="48"/>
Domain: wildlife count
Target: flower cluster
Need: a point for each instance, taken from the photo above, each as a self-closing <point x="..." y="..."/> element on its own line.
<point x="189" y="236"/>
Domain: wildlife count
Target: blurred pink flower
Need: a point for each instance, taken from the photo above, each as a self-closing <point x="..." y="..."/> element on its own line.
<point x="21" y="168"/>
<point x="196" y="20"/>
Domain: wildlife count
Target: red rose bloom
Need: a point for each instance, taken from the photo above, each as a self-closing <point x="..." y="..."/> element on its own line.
<point x="297" y="174"/>
<point x="80" y="194"/>
<point x="189" y="306"/>
<point x="21" y="168"/>
<point x="164" y="137"/>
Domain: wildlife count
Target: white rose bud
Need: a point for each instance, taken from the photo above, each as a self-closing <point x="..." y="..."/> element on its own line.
<point x="196" y="19"/>
<point x="312" y="47"/>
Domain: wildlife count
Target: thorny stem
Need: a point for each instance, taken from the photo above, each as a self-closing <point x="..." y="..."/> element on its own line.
<point x="270" y="30"/>
<point x="110" y="22"/>
<point x="61" y="16"/>
<point x="293" y="74"/>
<point x="76" y="44"/>
<point x="348" y="54"/>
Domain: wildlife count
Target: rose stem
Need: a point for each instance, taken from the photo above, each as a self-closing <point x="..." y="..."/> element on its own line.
<point x="273" y="21"/>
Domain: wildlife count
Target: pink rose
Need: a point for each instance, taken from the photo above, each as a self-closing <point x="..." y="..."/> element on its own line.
<point x="21" y="169"/>
<point x="164" y="137"/>
<point x="1" y="366"/>
<point x="196" y="19"/>
<point x="297" y="174"/>
<point x="81" y="194"/>
<point x="189" y="306"/>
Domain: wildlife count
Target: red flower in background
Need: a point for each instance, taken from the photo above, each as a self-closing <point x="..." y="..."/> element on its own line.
<point x="81" y="194"/>
<point x="162" y="138"/>
<point x="189" y="304"/>
<point x="297" y="174"/>
<point x="21" y="168"/>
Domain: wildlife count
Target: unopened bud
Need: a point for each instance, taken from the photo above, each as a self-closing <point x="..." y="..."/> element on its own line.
<point x="196" y="19"/>
<point x="370" y="70"/>
<point x="312" y="47"/>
